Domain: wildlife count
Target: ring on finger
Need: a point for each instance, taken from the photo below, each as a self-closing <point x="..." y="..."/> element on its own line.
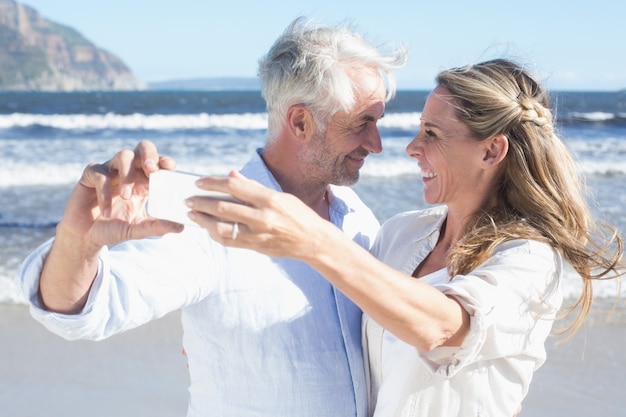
<point x="235" y="231"/>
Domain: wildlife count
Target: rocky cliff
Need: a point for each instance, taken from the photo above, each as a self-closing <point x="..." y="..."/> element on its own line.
<point x="40" y="55"/>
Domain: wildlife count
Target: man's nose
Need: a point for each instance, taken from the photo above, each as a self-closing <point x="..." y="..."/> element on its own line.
<point x="373" y="142"/>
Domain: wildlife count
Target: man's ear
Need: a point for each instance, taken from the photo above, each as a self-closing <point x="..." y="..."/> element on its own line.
<point x="496" y="149"/>
<point x="300" y="122"/>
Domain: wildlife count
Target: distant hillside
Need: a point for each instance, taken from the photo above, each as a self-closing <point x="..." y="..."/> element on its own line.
<point x="210" y="84"/>
<point x="40" y="55"/>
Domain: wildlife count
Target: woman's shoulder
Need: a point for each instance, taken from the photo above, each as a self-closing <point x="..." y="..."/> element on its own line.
<point x="430" y="215"/>
<point x="412" y="226"/>
<point x="527" y="246"/>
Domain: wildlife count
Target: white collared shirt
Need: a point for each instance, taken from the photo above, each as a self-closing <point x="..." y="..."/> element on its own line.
<point x="264" y="336"/>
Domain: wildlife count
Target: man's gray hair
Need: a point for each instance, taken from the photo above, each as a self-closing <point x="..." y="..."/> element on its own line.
<point x="308" y="65"/>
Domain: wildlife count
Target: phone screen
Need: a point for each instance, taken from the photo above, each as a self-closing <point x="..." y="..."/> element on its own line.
<point x="168" y="191"/>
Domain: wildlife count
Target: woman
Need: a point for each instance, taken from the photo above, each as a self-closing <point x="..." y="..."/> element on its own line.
<point x="467" y="290"/>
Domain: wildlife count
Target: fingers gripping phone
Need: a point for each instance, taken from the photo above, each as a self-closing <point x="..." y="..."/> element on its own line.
<point x="168" y="191"/>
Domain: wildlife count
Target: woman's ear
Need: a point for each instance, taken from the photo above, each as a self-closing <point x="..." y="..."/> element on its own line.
<point x="300" y="122"/>
<point x="496" y="149"/>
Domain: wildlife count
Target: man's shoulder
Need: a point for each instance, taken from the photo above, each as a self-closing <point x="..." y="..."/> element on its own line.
<point x="346" y="202"/>
<point x="353" y="216"/>
<point x="348" y="196"/>
<point x="255" y="169"/>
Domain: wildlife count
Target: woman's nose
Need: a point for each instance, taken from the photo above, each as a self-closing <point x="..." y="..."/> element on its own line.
<point x="414" y="148"/>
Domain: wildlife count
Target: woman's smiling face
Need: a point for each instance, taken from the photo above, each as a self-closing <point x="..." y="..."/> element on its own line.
<point x="447" y="153"/>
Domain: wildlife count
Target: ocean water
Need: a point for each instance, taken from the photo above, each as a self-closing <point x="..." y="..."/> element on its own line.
<point x="46" y="139"/>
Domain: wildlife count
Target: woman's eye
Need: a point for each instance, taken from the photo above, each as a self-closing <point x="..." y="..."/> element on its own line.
<point x="430" y="133"/>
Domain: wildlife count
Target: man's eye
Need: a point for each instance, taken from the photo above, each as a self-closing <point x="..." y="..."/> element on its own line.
<point x="430" y="133"/>
<point x="362" y="126"/>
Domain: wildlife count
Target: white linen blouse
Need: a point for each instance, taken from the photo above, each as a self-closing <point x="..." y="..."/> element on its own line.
<point x="512" y="299"/>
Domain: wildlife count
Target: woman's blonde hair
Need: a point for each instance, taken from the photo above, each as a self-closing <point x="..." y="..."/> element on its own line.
<point x="541" y="194"/>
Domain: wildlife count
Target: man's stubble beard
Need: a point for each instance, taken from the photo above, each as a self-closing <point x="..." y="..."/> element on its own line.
<point x="321" y="167"/>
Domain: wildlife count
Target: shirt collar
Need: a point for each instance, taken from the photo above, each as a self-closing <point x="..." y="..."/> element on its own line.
<point x="432" y="221"/>
<point x="257" y="169"/>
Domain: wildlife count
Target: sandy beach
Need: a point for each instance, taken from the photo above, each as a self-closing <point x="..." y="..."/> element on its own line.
<point x="139" y="373"/>
<point x="585" y="376"/>
<point x="142" y="372"/>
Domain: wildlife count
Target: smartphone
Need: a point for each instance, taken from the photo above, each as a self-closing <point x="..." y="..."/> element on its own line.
<point x="168" y="191"/>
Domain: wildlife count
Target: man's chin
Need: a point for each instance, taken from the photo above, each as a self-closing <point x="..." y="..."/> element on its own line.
<point x="348" y="180"/>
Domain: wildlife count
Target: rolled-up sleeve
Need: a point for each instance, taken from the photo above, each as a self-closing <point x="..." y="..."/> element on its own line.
<point x="137" y="281"/>
<point x="512" y="300"/>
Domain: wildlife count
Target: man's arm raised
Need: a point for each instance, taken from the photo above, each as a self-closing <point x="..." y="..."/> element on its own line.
<point x="106" y="207"/>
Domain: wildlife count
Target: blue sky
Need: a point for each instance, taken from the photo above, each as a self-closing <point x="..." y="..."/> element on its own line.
<point x="570" y="44"/>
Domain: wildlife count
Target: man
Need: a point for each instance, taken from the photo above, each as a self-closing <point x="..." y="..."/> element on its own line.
<point x="263" y="336"/>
